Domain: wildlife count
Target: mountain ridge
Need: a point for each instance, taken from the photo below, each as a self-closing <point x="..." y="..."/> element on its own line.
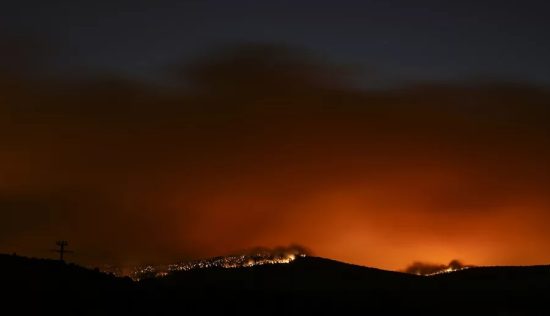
<point x="304" y="286"/>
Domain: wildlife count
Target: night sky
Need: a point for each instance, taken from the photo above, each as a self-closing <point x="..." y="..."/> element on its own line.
<point x="393" y="41"/>
<point x="373" y="132"/>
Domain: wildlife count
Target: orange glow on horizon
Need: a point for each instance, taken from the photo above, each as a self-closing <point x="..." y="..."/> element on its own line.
<point x="260" y="149"/>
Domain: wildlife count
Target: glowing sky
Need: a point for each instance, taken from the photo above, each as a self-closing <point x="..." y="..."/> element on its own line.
<point x="266" y="145"/>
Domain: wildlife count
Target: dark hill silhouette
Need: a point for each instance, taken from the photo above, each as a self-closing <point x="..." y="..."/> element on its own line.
<point x="306" y="286"/>
<point x="32" y="286"/>
<point x="303" y="274"/>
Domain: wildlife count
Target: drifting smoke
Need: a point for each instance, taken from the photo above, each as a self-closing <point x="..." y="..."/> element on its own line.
<point x="296" y="250"/>
<point x="263" y="145"/>
<point x="423" y="268"/>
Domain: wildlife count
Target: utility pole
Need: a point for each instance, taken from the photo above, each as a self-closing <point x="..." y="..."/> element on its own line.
<point x="61" y="244"/>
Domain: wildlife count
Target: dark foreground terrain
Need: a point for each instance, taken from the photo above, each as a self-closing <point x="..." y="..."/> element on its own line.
<point x="307" y="286"/>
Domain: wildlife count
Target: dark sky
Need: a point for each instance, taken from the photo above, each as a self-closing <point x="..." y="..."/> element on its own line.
<point x="394" y="40"/>
<point x="162" y="130"/>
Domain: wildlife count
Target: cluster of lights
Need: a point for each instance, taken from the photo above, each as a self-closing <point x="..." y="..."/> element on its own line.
<point x="227" y="262"/>
<point x="235" y="261"/>
<point x="142" y="272"/>
<point x="448" y="270"/>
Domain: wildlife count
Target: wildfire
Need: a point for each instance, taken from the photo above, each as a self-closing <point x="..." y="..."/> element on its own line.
<point x="429" y="269"/>
<point x="254" y="258"/>
<point x="448" y="270"/>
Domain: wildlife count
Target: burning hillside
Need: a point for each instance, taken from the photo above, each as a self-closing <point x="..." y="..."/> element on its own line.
<point x="255" y="257"/>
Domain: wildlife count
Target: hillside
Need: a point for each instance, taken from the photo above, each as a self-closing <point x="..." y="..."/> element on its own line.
<point x="307" y="285"/>
<point x="32" y="286"/>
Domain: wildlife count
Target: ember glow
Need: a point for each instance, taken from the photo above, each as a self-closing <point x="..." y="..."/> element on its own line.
<point x="448" y="270"/>
<point x="211" y="145"/>
<point x="250" y="259"/>
<point x="430" y="269"/>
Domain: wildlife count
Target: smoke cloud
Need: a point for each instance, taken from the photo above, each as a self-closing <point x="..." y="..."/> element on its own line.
<point x="277" y="251"/>
<point x="423" y="268"/>
<point x="264" y="145"/>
